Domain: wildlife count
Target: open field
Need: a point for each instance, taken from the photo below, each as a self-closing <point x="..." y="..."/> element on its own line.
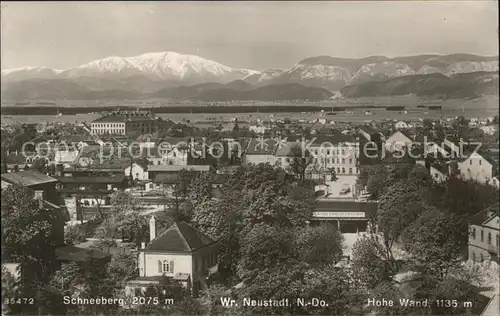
<point x="351" y="110"/>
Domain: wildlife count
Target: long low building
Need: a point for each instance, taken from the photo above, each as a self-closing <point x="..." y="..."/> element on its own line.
<point x="351" y="216"/>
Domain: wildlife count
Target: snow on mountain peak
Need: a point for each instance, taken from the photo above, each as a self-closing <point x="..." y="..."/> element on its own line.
<point x="163" y="66"/>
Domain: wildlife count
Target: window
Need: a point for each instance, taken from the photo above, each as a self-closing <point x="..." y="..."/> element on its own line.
<point x="338" y="169"/>
<point x="482" y="236"/>
<point x="482" y="258"/>
<point x="470" y="161"/>
<point x="479" y="162"/>
<point x="343" y="161"/>
<point x="497" y="240"/>
<point x="350" y="160"/>
<point x="350" y="170"/>
<point x="343" y="170"/>
<point x="489" y="238"/>
<point x="473" y="256"/>
<point x="165" y="266"/>
<point x="473" y="233"/>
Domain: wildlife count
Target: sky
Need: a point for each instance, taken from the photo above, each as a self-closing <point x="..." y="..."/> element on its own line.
<point x="253" y="35"/>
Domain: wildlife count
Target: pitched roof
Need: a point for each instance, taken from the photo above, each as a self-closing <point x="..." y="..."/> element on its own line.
<point x="482" y="216"/>
<point x="180" y="237"/>
<point x="167" y="178"/>
<point x="176" y="168"/>
<point x="335" y="139"/>
<point x="261" y="146"/>
<point x="125" y="117"/>
<point x="114" y="179"/>
<point x="27" y="178"/>
<point x="283" y="150"/>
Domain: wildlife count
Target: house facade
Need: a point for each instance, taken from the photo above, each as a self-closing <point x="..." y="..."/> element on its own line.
<point x="181" y="253"/>
<point x="260" y="151"/>
<point x="126" y="123"/>
<point x="139" y="171"/>
<point x="397" y="141"/>
<point x="335" y="153"/>
<point x="476" y="167"/>
<point x="484" y="232"/>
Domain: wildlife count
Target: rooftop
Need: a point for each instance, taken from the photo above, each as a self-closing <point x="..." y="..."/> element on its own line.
<point x="177" y="168"/>
<point x="120" y="117"/>
<point x="344" y="206"/>
<point x="484" y="215"/>
<point x="180" y="237"/>
<point x="27" y="178"/>
<point x="114" y="179"/>
<point x="261" y="146"/>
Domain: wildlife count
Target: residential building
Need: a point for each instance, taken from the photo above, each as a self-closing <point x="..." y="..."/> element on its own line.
<point x="283" y="155"/>
<point x="181" y="253"/>
<point x="126" y="123"/>
<point x="440" y="172"/>
<point x="340" y="153"/>
<point x="397" y="141"/>
<point x="489" y="129"/>
<point x="138" y="170"/>
<point x="259" y="129"/>
<point x="479" y="166"/>
<point x="260" y="150"/>
<point x="484" y="234"/>
<point x="403" y="125"/>
<point x="43" y="186"/>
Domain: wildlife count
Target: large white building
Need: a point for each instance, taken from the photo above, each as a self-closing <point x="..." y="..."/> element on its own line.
<point x="340" y="153"/>
<point x="126" y="123"/>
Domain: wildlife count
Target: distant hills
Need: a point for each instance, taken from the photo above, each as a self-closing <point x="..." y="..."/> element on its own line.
<point x="169" y="75"/>
<point x="466" y="85"/>
<point x="58" y="89"/>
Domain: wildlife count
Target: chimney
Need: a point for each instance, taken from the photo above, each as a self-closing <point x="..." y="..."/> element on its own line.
<point x="152" y="228"/>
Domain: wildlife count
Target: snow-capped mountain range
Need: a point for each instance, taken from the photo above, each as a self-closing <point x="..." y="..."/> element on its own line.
<point x="155" y="71"/>
<point x="163" y="66"/>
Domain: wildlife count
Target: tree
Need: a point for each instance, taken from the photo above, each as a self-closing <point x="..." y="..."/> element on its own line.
<point x="124" y="220"/>
<point x="30" y="234"/>
<point x="209" y="218"/>
<point x="10" y="289"/>
<point x="432" y="242"/>
<point x="333" y="174"/>
<point x="121" y="268"/>
<point x="319" y="245"/>
<point x="300" y="161"/>
<point x="333" y="285"/>
<point x="85" y="279"/>
<point x="40" y="165"/>
<point x="372" y="263"/>
<point x="200" y="189"/>
<point x="264" y="247"/>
